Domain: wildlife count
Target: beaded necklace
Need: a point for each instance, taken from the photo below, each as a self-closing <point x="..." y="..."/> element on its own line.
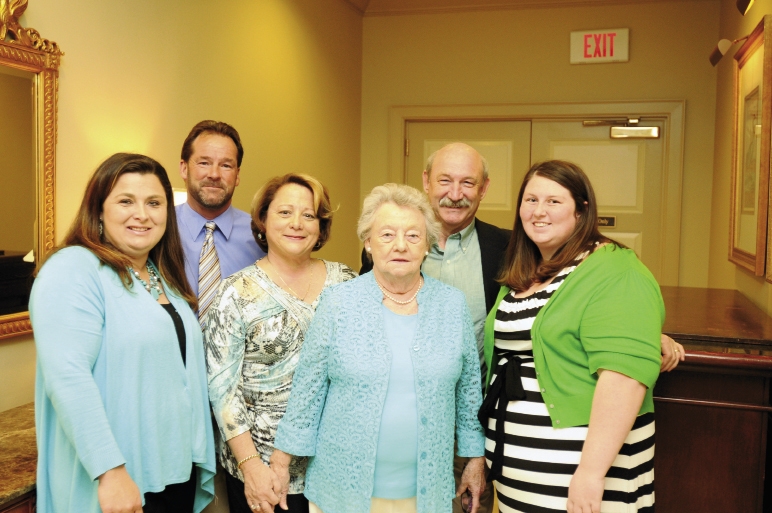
<point x="154" y="287"/>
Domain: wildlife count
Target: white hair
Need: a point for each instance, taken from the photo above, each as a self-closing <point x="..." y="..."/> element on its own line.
<point x="402" y="196"/>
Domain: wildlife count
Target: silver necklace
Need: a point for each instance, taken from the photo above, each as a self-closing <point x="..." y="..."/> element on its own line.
<point x="154" y="287"/>
<point x="420" y="284"/>
<point x="290" y="288"/>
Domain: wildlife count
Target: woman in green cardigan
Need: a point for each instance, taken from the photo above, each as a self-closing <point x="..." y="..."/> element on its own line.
<point x="573" y="352"/>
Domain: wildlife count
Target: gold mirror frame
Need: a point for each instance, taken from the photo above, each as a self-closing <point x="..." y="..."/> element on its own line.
<point x="24" y="49"/>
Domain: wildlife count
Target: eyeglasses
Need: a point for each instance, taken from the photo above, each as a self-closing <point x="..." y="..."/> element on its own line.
<point x="389" y="237"/>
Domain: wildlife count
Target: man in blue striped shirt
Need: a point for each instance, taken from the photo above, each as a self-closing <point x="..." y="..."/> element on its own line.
<point x="210" y="163"/>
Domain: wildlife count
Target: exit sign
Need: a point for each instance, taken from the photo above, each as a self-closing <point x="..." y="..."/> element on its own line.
<point x="591" y="46"/>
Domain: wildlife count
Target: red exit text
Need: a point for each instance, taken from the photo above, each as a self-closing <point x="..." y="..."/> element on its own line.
<point x="599" y="45"/>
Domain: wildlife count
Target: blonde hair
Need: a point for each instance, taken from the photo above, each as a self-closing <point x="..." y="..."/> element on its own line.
<point x="267" y="193"/>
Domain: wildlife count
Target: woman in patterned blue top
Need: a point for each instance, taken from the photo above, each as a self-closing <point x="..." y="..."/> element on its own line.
<point x="255" y="330"/>
<point x="388" y="372"/>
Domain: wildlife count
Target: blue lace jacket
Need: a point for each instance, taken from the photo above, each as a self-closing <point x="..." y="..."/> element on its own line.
<point x="334" y="410"/>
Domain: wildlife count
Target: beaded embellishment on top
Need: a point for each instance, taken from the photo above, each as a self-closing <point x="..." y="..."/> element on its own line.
<point x="154" y="287"/>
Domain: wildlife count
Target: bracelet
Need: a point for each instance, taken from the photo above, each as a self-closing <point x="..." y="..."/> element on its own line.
<point x="239" y="464"/>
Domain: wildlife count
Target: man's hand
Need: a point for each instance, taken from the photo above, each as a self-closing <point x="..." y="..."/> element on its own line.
<point x="672" y="353"/>
<point x="473" y="480"/>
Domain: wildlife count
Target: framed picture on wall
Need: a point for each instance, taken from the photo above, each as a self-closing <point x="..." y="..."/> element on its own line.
<point x="751" y="153"/>
<point x="751" y="136"/>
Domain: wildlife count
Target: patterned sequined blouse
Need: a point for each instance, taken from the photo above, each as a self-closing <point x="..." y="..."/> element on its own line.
<point x="252" y="341"/>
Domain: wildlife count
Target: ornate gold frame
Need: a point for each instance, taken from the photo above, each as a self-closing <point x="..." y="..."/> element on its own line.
<point x="24" y="49"/>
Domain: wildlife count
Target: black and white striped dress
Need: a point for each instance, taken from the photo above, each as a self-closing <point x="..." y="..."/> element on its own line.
<point x="538" y="460"/>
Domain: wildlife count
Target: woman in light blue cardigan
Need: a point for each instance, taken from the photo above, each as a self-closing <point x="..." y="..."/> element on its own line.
<point x="389" y="373"/>
<point x="121" y="405"/>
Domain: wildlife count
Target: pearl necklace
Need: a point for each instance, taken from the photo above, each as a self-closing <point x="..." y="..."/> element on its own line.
<point x="420" y="284"/>
<point x="154" y="287"/>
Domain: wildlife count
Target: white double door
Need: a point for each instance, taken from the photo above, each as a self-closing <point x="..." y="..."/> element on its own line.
<point x="627" y="174"/>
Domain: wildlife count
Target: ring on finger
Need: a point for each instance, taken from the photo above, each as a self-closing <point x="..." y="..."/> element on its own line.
<point x="253" y="506"/>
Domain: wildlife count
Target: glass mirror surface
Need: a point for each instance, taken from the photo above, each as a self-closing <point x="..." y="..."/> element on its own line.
<point x="748" y="153"/>
<point x="18" y="197"/>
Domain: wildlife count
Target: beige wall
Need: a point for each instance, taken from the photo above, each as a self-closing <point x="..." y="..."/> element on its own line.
<point x="522" y="56"/>
<point x="136" y="76"/>
<point x="724" y="274"/>
<point x="17" y="372"/>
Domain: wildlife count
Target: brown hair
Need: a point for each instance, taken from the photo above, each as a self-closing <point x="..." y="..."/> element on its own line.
<point x="267" y="193"/>
<point x="167" y="254"/>
<point x="211" y="127"/>
<point x="523" y="265"/>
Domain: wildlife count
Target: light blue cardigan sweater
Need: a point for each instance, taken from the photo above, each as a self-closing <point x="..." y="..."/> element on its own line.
<point x="111" y="388"/>
<point x="339" y="389"/>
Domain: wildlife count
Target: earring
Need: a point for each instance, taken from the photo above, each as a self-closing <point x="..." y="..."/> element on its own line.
<point x="260" y="236"/>
<point x="318" y="245"/>
<point x="426" y="253"/>
<point x="101" y="228"/>
<point x="369" y="250"/>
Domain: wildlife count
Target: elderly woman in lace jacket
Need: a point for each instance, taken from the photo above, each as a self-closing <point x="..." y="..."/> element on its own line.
<point x="388" y="370"/>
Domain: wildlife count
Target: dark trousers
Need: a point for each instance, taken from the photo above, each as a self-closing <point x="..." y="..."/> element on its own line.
<point x="296" y="502"/>
<point x="175" y="498"/>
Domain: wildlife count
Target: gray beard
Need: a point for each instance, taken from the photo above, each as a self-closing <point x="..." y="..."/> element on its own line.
<point x="208" y="203"/>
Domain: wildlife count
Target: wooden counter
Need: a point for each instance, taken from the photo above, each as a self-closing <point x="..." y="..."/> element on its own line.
<point x="716" y="317"/>
<point x="18" y="459"/>
<point x="712" y="411"/>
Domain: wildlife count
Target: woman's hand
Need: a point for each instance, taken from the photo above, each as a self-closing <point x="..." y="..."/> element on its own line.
<point x="473" y="479"/>
<point x="280" y="461"/>
<point x="672" y="353"/>
<point x="585" y="492"/>
<point x="615" y="406"/>
<point x="118" y="493"/>
<point x="261" y="486"/>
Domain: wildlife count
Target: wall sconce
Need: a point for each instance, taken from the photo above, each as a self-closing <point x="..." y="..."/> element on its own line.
<point x="722" y="47"/>
<point x="743" y="6"/>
